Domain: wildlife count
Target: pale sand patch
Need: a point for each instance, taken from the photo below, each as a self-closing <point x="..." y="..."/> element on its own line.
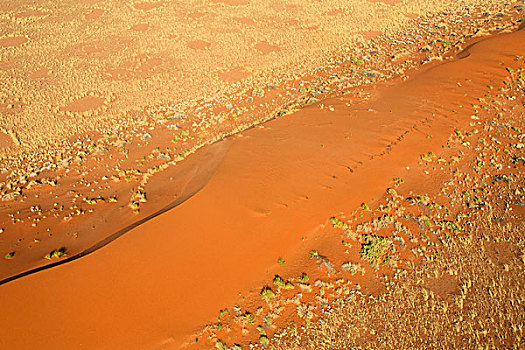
<point x="40" y="74"/>
<point x="13" y="41"/>
<point x="244" y="20"/>
<point x="85" y="104"/>
<point x="368" y="35"/>
<point x="232" y="2"/>
<point x="88" y="49"/>
<point x="265" y="48"/>
<point x="234" y="74"/>
<point x="118" y="74"/>
<point x="31" y="13"/>
<point x="6" y="141"/>
<point x="335" y="12"/>
<point x="388" y="2"/>
<point x="141" y="27"/>
<point x="94" y="14"/>
<point x="196" y="15"/>
<point x="199" y="44"/>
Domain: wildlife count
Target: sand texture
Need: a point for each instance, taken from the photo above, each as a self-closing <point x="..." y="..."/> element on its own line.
<point x="237" y="174"/>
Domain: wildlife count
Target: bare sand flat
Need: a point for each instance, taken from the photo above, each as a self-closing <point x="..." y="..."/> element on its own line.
<point x="267" y="200"/>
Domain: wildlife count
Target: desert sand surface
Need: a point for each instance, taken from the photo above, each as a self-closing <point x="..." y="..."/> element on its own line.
<point x="334" y="167"/>
<point x="72" y="67"/>
<point x="64" y="200"/>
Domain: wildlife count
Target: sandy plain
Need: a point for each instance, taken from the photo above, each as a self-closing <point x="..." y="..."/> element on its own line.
<point x="137" y="237"/>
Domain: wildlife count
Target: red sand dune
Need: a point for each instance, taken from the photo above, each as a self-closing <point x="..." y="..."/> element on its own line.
<point x="159" y="282"/>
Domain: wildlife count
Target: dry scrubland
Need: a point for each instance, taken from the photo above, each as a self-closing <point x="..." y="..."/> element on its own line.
<point x="70" y="68"/>
<point x="437" y="262"/>
<point x="83" y="67"/>
<point x="449" y="266"/>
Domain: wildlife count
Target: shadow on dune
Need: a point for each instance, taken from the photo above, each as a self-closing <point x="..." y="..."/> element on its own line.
<point x="202" y="174"/>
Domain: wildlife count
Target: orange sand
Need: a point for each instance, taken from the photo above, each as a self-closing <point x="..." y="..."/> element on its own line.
<point x="72" y="196"/>
<point x="157" y="284"/>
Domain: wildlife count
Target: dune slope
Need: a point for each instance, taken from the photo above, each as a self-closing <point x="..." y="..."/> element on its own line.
<point x="161" y="281"/>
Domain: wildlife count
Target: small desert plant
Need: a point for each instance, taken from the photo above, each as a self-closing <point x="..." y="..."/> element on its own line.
<point x="57" y="254"/>
<point x="250" y="319"/>
<point x="398" y="181"/>
<point x="263" y="339"/>
<point x="278" y="281"/>
<point x="376" y="250"/>
<point x="427" y="157"/>
<point x="337" y="223"/>
<point x="267" y="293"/>
<point x="304" y="277"/>
<point x="221" y="346"/>
<point x="288" y="285"/>
<point x="353" y="268"/>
